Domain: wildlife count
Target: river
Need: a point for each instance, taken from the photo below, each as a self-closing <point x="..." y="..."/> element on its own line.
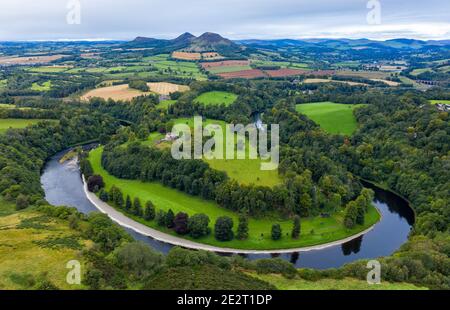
<point x="63" y="186"/>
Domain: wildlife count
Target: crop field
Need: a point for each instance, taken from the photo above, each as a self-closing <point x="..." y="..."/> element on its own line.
<point x="314" y="81"/>
<point x="7" y="123"/>
<point x="314" y="230"/>
<point x="186" y="56"/>
<point x="163" y="88"/>
<point x="216" y="98"/>
<point x="226" y="69"/>
<point x="225" y="63"/>
<point x="46" y="86"/>
<point x="244" y="74"/>
<point x="285" y="72"/>
<point x="281" y="64"/>
<point x="29" y="60"/>
<point x="31" y="236"/>
<point x="118" y="92"/>
<point x="49" y="69"/>
<point x="390" y="83"/>
<point x="172" y="68"/>
<point x="333" y="117"/>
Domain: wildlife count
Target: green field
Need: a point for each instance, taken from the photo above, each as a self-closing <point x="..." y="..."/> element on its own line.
<point x="24" y="258"/>
<point x="314" y="230"/>
<point x="7" y="123"/>
<point x="171" y="68"/>
<point x="245" y="171"/>
<point x="7" y="106"/>
<point x="3" y="84"/>
<point x="282" y="283"/>
<point x="226" y="69"/>
<point x="46" y="86"/>
<point x="48" y="69"/>
<point x="166" y="104"/>
<point x="439" y="101"/>
<point x="216" y="98"/>
<point x="281" y="64"/>
<point x="334" y="118"/>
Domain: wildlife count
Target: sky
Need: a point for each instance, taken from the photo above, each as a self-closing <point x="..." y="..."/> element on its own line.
<point x="236" y="19"/>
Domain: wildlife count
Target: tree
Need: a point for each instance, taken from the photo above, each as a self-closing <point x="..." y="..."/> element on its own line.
<point x="296" y="228"/>
<point x="242" y="231"/>
<point x="139" y="85"/>
<point x="104" y="196"/>
<point x="161" y="218"/>
<point x="170" y="217"/>
<point x="86" y="168"/>
<point x="137" y="207"/>
<point x="128" y="204"/>
<point x="95" y="183"/>
<point x="223" y="230"/>
<point x="22" y="202"/>
<point x="181" y="223"/>
<point x="360" y="217"/>
<point x="276" y="232"/>
<point x="198" y="225"/>
<point x="149" y="212"/>
<point x="138" y="260"/>
<point x="351" y="213"/>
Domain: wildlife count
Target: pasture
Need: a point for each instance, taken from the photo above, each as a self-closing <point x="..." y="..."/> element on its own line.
<point x="216" y="98"/>
<point x="314" y="230"/>
<point x="315" y="81"/>
<point x="46" y="86"/>
<point x="333" y="117"/>
<point x="14" y="123"/>
<point x="42" y="246"/>
<point x="439" y="101"/>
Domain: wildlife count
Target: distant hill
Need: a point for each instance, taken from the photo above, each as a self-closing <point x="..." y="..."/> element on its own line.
<point x="207" y="42"/>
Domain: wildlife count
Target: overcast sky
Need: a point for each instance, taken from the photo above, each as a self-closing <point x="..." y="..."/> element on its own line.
<point x="236" y="19"/>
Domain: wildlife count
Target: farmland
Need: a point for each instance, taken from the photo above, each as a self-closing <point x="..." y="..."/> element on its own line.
<point x="29" y="60"/>
<point x="216" y="97"/>
<point x="164" y="198"/>
<point x="314" y="81"/>
<point x="46" y="86"/>
<point x="332" y="117"/>
<point x="186" y="56"/>
<point x="166" y="88"/>
<point x="439" y="101"/>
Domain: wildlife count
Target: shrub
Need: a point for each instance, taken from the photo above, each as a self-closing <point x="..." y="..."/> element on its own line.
<point x="149" y="212"/>
<point x="22" y="202"/>
<point x="276" y="232"/>
<point x="170" y="217"/>
<point x="242" y="231"/>
<point x="181" y="223"/>
<point x="95" y="183"/>
<point x="276" y="265"/>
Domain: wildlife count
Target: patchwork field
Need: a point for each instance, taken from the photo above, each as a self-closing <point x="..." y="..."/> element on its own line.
<point x="186" y="56"/>
<point x="216" y="98"/>
<point x="333" y="117"/>
<point x="314" y="230"/>
<point x="7" y="123"/>
<point x="226" y="63"/>
<point x="244" y="74"/>
<point x="123" y="92"/>
<point x="46" y="86"/>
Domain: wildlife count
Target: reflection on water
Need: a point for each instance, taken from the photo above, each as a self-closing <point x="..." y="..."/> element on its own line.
<point x="62" y="185"/>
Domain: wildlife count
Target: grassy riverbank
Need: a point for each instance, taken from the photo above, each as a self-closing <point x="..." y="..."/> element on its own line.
<point x="315" y="231"/>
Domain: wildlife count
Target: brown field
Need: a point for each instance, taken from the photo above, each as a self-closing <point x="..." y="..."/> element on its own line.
<point x="225" y="63"/>
<point x="8" y="60"/>
<point x="312" y="81"/>
<point x="244" y="74"/>
<point x="167" y="88"/>
<point x="285" y="72"/>
<point x="124" y="93"/>
<point x="90" y="56"/>
<point x="186" y="56"/>
<point x="212" y="56"/>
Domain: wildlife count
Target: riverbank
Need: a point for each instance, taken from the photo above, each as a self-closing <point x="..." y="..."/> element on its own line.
<point x="127" y="222"/>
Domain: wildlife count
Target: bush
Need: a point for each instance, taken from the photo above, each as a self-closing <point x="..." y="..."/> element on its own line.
<point x="103" y="195"/>
<point x="242" y="231"/>
<point x="170" y="217"/>
<point x="198" y="225"/>
<point x="139" y="85"/>
<point x="276" y="265"/>
<point x="223" y="230"/>
<point x="179" y="257"/>
<point x="161" y="218"/>
<point x="22" y="202"/>
<point x="149" y="212"/>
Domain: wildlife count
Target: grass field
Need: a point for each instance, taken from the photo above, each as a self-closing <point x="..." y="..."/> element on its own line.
<point x="3" y="84"/>
<point x="46" y="86"/>
<point x="7" y="106"/>
<point x="166" y="104"/>
<point x="24" y="254"/>
<point x="225" y="69"/>
<point x="7" y="123"/>
<point x="172" y="68"/>
<point x="245" y="171"/>
<point x="282" y="283"/>
<point x="439" y="101"/>
<point x="312" y="81"/>
<point x="334" y="118"/>
<point x="216" y="98"/>
<point x="314" y="230"/>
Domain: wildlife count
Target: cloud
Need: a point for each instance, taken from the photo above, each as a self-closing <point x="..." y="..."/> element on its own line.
<point x="125" y="19"/>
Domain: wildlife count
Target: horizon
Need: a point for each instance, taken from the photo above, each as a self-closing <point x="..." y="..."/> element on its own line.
<point x="77" y="20"/>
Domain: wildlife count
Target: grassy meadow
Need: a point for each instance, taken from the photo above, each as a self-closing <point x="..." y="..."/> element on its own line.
<point x="439" y="101"/>
<point x="334" y="118"/>
<point x="7" y="123"/>
<point x="216" y="98"/>
<point x="314" y="230"/>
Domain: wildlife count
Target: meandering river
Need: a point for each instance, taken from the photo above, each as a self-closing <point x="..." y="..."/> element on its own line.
<point x="63" y="186"/>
